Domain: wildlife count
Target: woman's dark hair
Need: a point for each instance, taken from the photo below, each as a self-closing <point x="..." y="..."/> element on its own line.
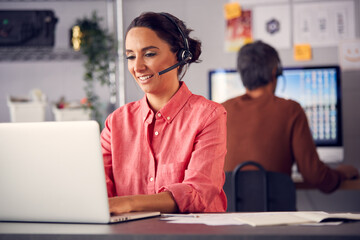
<point x="168" y="32"/>
<point x="256" y="62"/>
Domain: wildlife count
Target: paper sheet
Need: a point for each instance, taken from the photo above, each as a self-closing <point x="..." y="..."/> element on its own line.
<point x="272" y="25"/>
<point x="259" y="218"/>
<point x="323" y="24"/>
<point x="216" y="219"/>
<point x="349" y="54"/>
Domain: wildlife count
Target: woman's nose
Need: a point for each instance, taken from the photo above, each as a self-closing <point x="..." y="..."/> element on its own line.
<point x="139" y="65"/>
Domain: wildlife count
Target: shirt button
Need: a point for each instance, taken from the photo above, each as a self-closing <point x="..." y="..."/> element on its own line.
<point x="168" y="118"/>
<point x="156" y="133"/>
<point x="159" y="114"/>
<point x="151" y="179"/>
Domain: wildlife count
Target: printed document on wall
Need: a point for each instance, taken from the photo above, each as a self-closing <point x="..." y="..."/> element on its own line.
<point x="238" y="31"/>
<point x="272" y="25"/>
<point x="323" y="24"/>
<point x="349" y="54"/>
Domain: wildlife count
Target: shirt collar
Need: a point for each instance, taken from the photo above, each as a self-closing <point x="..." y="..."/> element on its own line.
<point x="146" y="112"/>
<point x="171" y="109"/>
<point x="263" y="98"/>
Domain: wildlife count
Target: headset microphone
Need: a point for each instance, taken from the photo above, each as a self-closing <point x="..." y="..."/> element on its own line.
<point x="183" y="55"/>
<point x="171" y="68"/>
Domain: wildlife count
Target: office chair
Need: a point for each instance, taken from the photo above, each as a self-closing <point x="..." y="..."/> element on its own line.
<point x="259" y="190"/>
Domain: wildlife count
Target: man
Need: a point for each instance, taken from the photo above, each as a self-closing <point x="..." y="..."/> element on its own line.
<point x="270" y="130"/>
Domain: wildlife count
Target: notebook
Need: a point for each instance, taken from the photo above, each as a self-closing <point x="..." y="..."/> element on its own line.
<point x="54" y="172"/>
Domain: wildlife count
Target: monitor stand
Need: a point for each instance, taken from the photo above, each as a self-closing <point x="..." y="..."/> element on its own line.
<point x="330" y="155"/>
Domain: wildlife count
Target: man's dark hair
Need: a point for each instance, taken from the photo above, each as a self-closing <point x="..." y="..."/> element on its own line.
<point x="256" y="62"/>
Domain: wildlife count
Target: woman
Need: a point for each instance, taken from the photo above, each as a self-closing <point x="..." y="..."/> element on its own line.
<point x="166" y="151"/>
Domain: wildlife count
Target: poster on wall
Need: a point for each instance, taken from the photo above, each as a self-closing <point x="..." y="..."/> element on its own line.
<point x="272" y="25"/>
<point x="238" y="31"/>
<point x="349" y="54"/>
<point x="323" y="24"/>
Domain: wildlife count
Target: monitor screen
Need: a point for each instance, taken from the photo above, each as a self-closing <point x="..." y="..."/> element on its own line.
<point x="316" y="89"/>
<point x="224" y="84"/>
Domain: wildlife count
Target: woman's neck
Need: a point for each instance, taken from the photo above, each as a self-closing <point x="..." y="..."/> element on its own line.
<point x="156" y="101"/>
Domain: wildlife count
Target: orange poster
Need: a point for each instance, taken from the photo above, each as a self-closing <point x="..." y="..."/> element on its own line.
<point x="238" y="31"/>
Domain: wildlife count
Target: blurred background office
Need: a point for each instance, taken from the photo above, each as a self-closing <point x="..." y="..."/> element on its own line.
<point x="57" y="71"/>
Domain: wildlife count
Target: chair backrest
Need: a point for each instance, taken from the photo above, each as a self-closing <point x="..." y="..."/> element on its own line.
<point x="260" y="190"/>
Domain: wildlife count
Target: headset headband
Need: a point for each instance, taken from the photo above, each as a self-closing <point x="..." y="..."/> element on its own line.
<point x="187" y="55"/>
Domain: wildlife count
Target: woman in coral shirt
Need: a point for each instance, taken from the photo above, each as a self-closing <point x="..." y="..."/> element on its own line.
<point x="166" y="151"/>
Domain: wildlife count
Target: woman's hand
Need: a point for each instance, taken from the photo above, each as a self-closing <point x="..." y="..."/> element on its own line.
<point x="121" y="204"/>
<point x="162" y="202"/>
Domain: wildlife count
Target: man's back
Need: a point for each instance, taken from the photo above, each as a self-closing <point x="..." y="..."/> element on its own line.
<point x="270" y="130"/>
<point x="275" y="133"/>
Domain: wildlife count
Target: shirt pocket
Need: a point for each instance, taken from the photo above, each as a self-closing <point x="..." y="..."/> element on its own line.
<point x="170" y="173"/>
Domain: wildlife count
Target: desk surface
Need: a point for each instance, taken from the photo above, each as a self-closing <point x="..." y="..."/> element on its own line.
<point x="154" y="228"/>
<point x="345" y="185"/>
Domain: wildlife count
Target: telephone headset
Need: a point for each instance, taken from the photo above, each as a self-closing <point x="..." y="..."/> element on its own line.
<point x="279" y="72"/>
<point x="184" y="55"/>
<point x="279" y="69"/>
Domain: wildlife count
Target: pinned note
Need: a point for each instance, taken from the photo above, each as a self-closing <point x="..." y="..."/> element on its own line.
<point x="302" y="52"/>
<point x="232" y="10"/>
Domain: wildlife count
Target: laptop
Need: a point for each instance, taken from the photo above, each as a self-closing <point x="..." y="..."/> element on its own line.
<point x="54" y="172"/>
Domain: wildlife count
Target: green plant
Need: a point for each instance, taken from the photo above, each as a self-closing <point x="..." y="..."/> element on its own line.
<point x="100" y="49"/>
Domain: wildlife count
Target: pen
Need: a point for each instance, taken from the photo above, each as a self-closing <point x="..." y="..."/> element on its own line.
<point x="180" y="215"/>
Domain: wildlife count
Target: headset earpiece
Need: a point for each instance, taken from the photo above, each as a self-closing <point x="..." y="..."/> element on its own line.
<point x="279" y="70"/>
<point x="184" y="56"/>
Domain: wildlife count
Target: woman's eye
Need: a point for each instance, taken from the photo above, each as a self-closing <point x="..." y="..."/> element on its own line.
<point x="151" y="54"/>
<point x="130" y="57"/>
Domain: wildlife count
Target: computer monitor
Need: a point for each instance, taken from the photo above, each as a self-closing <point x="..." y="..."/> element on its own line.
<point x="224" y="84"/>
<point x="317" y="89"/>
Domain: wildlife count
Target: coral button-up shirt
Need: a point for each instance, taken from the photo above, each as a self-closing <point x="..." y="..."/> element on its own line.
<point x="180" y="149"/>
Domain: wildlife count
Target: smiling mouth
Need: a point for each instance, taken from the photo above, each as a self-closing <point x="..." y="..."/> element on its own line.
<point x="144" y="78"/>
